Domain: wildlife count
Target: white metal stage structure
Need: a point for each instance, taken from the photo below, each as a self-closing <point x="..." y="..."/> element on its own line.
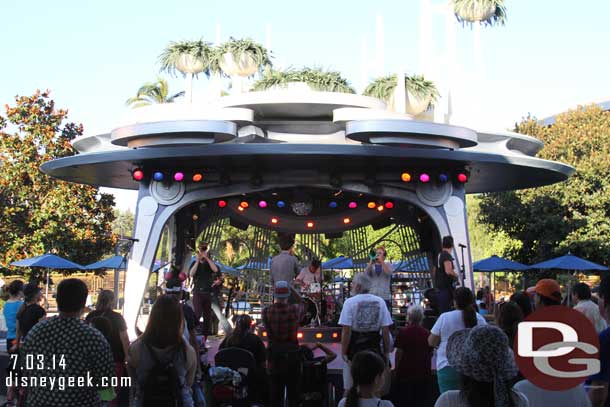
<point x="336" y="162"/>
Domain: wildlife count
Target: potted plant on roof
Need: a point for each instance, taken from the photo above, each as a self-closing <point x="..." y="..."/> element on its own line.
<point x="240" y="59"/>
<point x="487" y="12"/>
<point x="190" y="58"/>
<point x="420" y="93"/>
<point x="304" y="79"/>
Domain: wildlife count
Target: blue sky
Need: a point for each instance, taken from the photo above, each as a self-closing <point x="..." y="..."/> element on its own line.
<point x="92" y="54"/>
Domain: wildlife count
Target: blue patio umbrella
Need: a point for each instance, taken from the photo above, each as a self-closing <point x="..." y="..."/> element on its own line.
<point x="114" y="262"/>
<point x="495" y="263"/>
<point x="256" y="265"/>
<point x="419" y="263"/>
<point x="569" y="262"/>
<point x="343" y="263"/>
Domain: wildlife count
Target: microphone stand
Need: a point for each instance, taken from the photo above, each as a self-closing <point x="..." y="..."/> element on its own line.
<point x="463" y="266"/>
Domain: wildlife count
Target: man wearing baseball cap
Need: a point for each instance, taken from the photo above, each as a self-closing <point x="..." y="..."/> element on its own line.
<point x="548" y="293"/>
<point x="281" y="321"/>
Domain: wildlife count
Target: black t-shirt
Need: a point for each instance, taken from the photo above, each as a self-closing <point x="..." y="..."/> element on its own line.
<point x="29" y="316"/>
<point x="204" y="277"/>
<point x="443" y="280"/>
<point x="118" y="325"/>
<point x="189" y="317"/>
<point x="248" y="342"/>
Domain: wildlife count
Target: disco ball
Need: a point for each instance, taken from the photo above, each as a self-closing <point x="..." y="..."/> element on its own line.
<point x="301" y="208"/>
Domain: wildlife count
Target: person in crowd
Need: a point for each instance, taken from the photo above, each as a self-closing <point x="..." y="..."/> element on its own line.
<point x="431" y="310"/>
<point x="307" y="352"/>
<point x="242" y="337"/>
<point x="581" y="296"/>
<point x="508" y="318"/>
<point x="79" y="350"/>
<point x="465" y="316"/>
<point x="281" y="321"/>
<point x="175" y="288"/>
<point x="205" y="275"/>
<point x="108" y="395"/>
<point x="367" y="371"/>
<point x="11" y="306"/>
<point x="119" y="341"/>
<point x="480" y="295"/>
<point x="598" y="390"/>
<point x="30" y="312"/>
<point x="538" y="397"/>
<point x="310" y="274"/>
<point x="489" y="299"/>
<point x="482" y="357"/>
<point x="547" y="293"/>
<point x="412" y="374"/>
<point x="380" y="272"/>
<point x="445" y="275"/>
<point x="483" y="309"/>
<point x="523" y="301"/>
<point x="365" y="322"/>
<point x="163" y="344"/>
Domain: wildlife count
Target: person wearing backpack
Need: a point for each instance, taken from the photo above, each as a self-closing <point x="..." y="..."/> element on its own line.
<point x="161" y="362"/>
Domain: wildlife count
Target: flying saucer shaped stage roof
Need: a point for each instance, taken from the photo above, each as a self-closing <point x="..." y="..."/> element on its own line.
<point x="284" y="134"/>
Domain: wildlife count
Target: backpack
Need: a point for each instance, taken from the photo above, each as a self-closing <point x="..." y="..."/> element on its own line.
<point x="162" y="387"/>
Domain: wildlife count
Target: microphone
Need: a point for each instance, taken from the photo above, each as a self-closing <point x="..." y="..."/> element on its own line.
<point x="462" y="245"/>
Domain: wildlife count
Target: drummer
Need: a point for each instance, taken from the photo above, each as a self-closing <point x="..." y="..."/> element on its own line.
<point x="310" y="275"/>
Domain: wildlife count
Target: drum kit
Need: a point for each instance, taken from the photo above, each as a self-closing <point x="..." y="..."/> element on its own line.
<point x="319" y="305"/>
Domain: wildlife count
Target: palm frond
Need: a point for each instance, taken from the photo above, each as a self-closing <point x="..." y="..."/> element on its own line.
<point x="170" y="57"/>
<point x="153" y="93"/>
<point x="316" y="78"/>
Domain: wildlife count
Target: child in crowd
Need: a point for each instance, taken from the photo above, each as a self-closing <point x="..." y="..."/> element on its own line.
<point x="367" y="375"/>
<point x="104" y="325"/>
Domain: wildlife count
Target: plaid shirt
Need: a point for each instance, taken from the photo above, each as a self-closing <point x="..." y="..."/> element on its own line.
<point x="282" y="322"/>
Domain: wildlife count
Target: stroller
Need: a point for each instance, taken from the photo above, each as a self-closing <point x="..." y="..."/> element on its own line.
<point x="316" y="390"/>
<point x="231" y="377"/>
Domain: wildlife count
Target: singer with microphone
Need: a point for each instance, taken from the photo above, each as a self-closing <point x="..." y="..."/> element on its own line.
<point x="445" y="275"/>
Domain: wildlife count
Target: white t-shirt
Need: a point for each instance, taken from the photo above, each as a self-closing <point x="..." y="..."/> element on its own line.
<point x="446" y="324"/>
<point x="452" y="398"/>
<point x="365" y="313"/>
<point x="375" y="402"/>
<point x="574" y="397"/>
<point x="308" y="277"/>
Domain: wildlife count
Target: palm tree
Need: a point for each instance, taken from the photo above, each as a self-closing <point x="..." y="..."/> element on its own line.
<point x="153" y="93"/>
<point x="189" y="58"/>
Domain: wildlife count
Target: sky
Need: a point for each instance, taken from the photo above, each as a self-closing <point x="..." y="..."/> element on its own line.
<point x="550" y="56"/>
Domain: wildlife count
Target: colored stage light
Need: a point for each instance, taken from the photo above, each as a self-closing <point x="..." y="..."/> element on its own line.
<point x="443" y="178"/>
<point x="244" y="204"/>
<point x="352" y="205"/>
<point x="424" y="177"/>
<point x="319" y="335"/>
<point x="310" y="224"/>
<point x="333" y="204"/>
<point x="300" y="335"/>
<point x="179" y="176"/>
<point x="222" y="203"/>
<point x="195" y="216"/>
<point x="262" y="204"/>
<point x="264" y="334"/>
<point x="281" y="204"/>
<point x="239" y="208"/>
<point x="275" y="221"/>
<point x="197" y="177"/>
<point x="380" y="208"/>
<point x="371" y="205"/>
<point x="158" y="176"/>
<point x="462" y="177"/>
<point x="346" y="220"/>
<point x="138" y="174"/>
<point x="335" y="335"/>
<point x="405" y="177"/>
<point x="389" y="205"/>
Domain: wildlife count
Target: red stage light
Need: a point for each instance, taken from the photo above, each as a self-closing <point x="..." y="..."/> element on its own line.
<point x="222" y="203"/>
<point x="300" y="335"/>
<point x="138" y="174"/>
<point x="244" y="204"/>
<point x="352" y="205"/>
<point x="389" y="205"/>
<point x="197" y="177"/>
<point x="424" y="178"/>
<point x="405" y="177"/>
<point x="346" y="220"/>
<point x="319" y="335"/>
<point x="371" y="205"/>
<point x="310" y="225"/>
<point x="462" y="177"/>
<point x="275" y="221"/>
<point x="380" y="208"/>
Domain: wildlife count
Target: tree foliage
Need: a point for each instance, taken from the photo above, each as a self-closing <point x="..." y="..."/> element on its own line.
<point x="153" y="93"/>
<point x="569" y="216"/>
<point x="38" y="213"/>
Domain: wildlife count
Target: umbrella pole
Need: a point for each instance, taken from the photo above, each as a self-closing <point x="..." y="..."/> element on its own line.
<point x="46" y="294"/>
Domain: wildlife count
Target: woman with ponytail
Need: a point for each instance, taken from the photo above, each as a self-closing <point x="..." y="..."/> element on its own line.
<point x="367" y="375"/>
<point x="464" y="316"/>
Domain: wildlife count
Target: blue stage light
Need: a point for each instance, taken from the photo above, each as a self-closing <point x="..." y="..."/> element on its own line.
<point x="443" y="178"/>
<point x="281" y="204"/>
<point x="333" y="204"/>
<point x="158" y="176"/>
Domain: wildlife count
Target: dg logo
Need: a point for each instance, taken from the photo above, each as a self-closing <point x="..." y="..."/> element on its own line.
<point x="557" y="348"/>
